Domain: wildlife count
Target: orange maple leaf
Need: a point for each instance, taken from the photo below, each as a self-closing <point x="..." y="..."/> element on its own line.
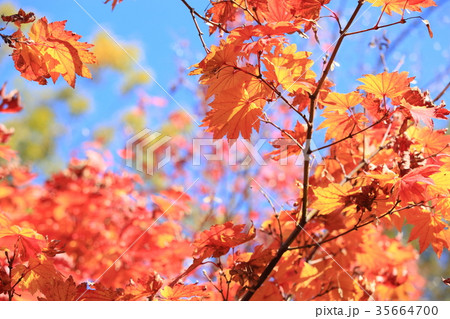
<point x="427" y="227"/>
<point x="284" y="146"/>
<point x="221" y="12"/>
<point x="27" y="241"/>
<point x="192" y="292"/>
<point x="51" y="51"/>
<point x="290" y="68"/>
<point x="400" y="5"/>
<point x="146" y="287"/>
<point x="419" y="106"/>
<point x="216" y="242"/>
<point x="234" y="113"/>
<point x="96" y="292"/>
<point x="57" y="289"/>
<point x="10" y="102"/>
<point x="341" y="125"/>
<point x="386" y="84"/>
<point x="331" y="198"/>
<point x="341" y="102"/>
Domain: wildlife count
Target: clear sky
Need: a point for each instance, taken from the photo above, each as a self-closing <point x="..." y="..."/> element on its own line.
<point x="160" y="26"/>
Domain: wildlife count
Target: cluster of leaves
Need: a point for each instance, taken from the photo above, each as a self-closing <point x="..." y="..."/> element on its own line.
<point x="387" y="166"/>
<point x="49" y="50"/>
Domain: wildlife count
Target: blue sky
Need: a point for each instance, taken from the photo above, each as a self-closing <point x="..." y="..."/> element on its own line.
<point x="159" y="26"/>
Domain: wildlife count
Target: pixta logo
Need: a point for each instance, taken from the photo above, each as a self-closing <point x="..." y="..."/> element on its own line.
<point x="151" y="151"/>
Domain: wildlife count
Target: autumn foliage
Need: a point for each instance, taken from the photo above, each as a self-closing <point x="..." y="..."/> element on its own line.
<point x="93" y="233"/>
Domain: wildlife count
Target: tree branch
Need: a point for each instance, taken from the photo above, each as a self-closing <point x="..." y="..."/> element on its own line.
<point x="284" y="247"/>
<point x="350" y="135"/>
<point x="356" y="227"/>
<point x="218" y="25"/>
<point x="442" y="93"/>
<point x="268" y="121"/>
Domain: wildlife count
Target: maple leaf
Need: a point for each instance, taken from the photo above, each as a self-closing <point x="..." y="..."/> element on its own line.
<point x="305" y="274"/>
<point x="192" y="292"/>
<point x="114" y="2"/>
<point x="10" y="102"/>
<point x="290" y="69"/>
<point x="277" y="10"/>
<point x="234" y="113"/>
<point x="5" y="281"/>
<point x="27" y="241"/>
<point x="224" y="54"/>
<point x="51" y="51"/>
<point x="341" y="125"/>
<point x="146" y="287"/>
<point x="331" y="198"/>
<point x="36" y="274"/>
<point x="7" y="153"/>
<point x="221" y="13"/>
<point x="399" y="6"/>
<point x="386" y="84"/>
<point x="57" y="289"/>
<point x="420" y="114"/>
<point x="339" y="102"/>
<point x="373" y="106"/>
<point x="227" y="77"/>
<point x="19" y="18"/>
<point x="412" y="187"/>
<point x="96" y="292"/>
<point x="216" y="242"/>
<point x="420" y="107"/>
<point x="427" y="227"/>
<point x="174" y="204"/>
<point x="285" y="146"/>
<point x="52" y="248"/>
<point x="248" y="266"/>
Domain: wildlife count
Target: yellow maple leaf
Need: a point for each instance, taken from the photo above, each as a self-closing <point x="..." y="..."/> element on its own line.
<point x="331" y="198"/>
<point x="52" y="51"/>
<point x="386" y="84"/>
<point x="399" y="6"/>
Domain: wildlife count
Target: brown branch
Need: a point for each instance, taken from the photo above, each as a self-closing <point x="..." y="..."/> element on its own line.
<point x="200" y="33"/>
<point x="207" y="21"/>
<point x="351" y="135"/>
<point x="376" y="27"/>
<point x="282" y="131"/>
<point x="442" y="93"/>
<point x="302" y="222"/>
<point x="356" y="227"/>
<point x="335" y="16"/>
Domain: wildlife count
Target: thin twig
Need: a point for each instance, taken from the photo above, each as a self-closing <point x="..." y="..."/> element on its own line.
<point x="283" y="131"/>
<point x="376" y="27"/>
<point x="442" y="93"/>
<point x="351" y="135"/>
<point x="218" y="25"/>
<point x="356" y="227"/>
<point x="200" y="33"/>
